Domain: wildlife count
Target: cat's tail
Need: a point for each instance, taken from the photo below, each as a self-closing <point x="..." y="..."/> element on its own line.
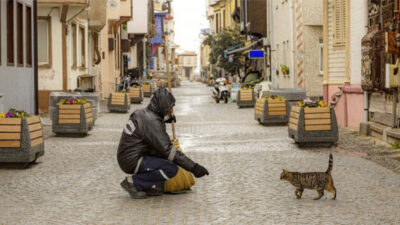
<point x="329" y="170"/>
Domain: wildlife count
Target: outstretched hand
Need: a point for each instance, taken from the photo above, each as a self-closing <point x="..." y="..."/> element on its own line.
<point x="199" y="171"/>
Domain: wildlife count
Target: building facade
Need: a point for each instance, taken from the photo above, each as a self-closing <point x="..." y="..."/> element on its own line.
<point x="18" y="56"/>
<point x="187" y="63"/>
<point x="344" y="27"/>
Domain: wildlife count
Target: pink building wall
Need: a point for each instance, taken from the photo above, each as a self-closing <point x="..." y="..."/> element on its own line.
<point x="350" y="108"/>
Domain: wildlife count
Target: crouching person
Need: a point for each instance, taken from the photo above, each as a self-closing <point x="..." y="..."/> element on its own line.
<point x="145" y="150"/>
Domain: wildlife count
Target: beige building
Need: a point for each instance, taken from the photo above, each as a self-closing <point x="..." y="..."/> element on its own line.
<point x="66" y="41"/>
<point x="187" y="63"/>
<point x="117" y="13"/>
<point x="296" y="39"/>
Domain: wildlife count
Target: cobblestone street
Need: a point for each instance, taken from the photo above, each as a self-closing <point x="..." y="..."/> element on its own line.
<point x="78" y="179"/>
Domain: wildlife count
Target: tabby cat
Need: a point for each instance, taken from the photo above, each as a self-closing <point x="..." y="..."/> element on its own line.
<point x="315" y="180"/>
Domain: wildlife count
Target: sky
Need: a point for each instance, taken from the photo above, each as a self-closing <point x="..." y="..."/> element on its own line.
<point x="190" y="17"/>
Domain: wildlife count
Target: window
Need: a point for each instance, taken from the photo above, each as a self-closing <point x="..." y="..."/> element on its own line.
<point x="321" y="56"/>
<point x="44" y="41"/>
<point x="216" y="22"/>
<point x="10" y="32"/>
<point x="83" y="46"/>
<point x="74" y="52"/>
<point x="223" y="19"/>
<point x="20" y="38"/>
<point x="28" y="33"/>
<point x="339" y="22"/>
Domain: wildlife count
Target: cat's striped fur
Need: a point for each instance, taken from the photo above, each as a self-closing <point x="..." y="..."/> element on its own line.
<point x="319" y="181"/>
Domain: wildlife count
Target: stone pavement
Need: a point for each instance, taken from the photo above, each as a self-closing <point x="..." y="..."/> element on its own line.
<point x="77" y="181"/>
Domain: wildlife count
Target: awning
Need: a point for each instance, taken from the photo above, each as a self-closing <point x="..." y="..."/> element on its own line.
<point x="243" y="48"/>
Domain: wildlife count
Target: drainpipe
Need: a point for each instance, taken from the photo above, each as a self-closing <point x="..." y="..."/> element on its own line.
<point x="292" y="43"/>
<point x="394" y="113"/>
<point x="366" y="103"/>
<point x="366" y="106"/>
<point x="35" y="60"/>
<point x="271" y="32"/>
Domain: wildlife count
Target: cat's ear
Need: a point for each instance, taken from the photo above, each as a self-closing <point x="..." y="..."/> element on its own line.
<point x="283" y="170"/>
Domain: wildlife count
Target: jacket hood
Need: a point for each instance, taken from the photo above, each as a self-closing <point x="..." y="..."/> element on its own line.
<point x="161" y="102"/>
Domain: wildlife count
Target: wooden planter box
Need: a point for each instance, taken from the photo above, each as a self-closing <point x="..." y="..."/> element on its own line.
<point x="147" y="90"/>
<point x="119" y="102"/>
<point x="136" y="94"/>
<point x="72" y="119"/>
<point x="21" y="139"/>
<point x="313" y="125"/>
<point x="245" y="98"/>
<point x="270" y="112"/>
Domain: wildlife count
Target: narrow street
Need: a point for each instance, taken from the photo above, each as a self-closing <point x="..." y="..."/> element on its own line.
<point x="78" y="179"/>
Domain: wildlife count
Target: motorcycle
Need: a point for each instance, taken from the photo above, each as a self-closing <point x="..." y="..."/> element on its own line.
<point x="220" y="91"/>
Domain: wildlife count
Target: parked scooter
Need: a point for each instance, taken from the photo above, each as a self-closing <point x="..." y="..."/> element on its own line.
<point x="220" y="91"/>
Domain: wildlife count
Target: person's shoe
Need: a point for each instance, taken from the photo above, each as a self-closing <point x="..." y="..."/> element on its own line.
<point x="132" y="190"/>
<point x="154" y="192"/>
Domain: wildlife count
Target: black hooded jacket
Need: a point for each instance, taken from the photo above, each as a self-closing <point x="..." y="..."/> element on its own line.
<point x="145" y="134"/>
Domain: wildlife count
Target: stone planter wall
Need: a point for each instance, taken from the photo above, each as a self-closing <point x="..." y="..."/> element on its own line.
<point x="313" y="125"/>
<point x="91" y="98"/>
<point x="136" y="94"/>
<point x="21" y="139"/>
<point x="119" y="102"/>
<point x="245" y="98"/>
<point x="270" y="112"/>
<point x="72" y="119"/>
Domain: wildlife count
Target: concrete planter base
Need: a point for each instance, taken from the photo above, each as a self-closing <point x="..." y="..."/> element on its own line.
<point x="72" y="119"/>
<point x="21" y="139"/>
<point x="136" y="95"/>
<point x="245" y="98"/>
<point x="271" y="112"/>
<point x="313" y="126"/>
<point x="119" y="102"/>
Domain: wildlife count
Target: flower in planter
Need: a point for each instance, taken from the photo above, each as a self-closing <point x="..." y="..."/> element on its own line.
<point x="308" y="103"/>
<point x="72" y="101"/>
<point x="13" y="113"/>
<point x="275" y="97"/>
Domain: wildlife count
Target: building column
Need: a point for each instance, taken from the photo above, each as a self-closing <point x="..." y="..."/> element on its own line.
<point x="144" y="59"/>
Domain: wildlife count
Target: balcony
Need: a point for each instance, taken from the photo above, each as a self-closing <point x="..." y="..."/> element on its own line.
<point x="97" y="14"/>
<point x="125" y="8"/>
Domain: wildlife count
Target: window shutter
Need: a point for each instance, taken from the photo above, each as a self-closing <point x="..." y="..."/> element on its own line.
<point x="339" y="22"/>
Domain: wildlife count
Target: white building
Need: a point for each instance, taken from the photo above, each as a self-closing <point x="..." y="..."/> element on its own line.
<point x="18" y="67"/>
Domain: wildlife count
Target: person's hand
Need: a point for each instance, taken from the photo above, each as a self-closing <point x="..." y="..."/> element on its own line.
<point x="199" y="170"/>
<point x="171" y="118"/>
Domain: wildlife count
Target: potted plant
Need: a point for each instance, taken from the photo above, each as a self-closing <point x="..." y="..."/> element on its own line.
<point x="72" y="116"/>
<point x="313" y="122"/>
<point x="246" y="96"/>
<point x="21" y="137"/>
<point x="272" y="110"/>
<point x="285" y="69"/>
<point x="119" y="102"/>
<point x="136" y="94"/>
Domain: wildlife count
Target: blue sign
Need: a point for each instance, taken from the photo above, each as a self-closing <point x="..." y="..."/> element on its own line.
<point x="256" y="54"/>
